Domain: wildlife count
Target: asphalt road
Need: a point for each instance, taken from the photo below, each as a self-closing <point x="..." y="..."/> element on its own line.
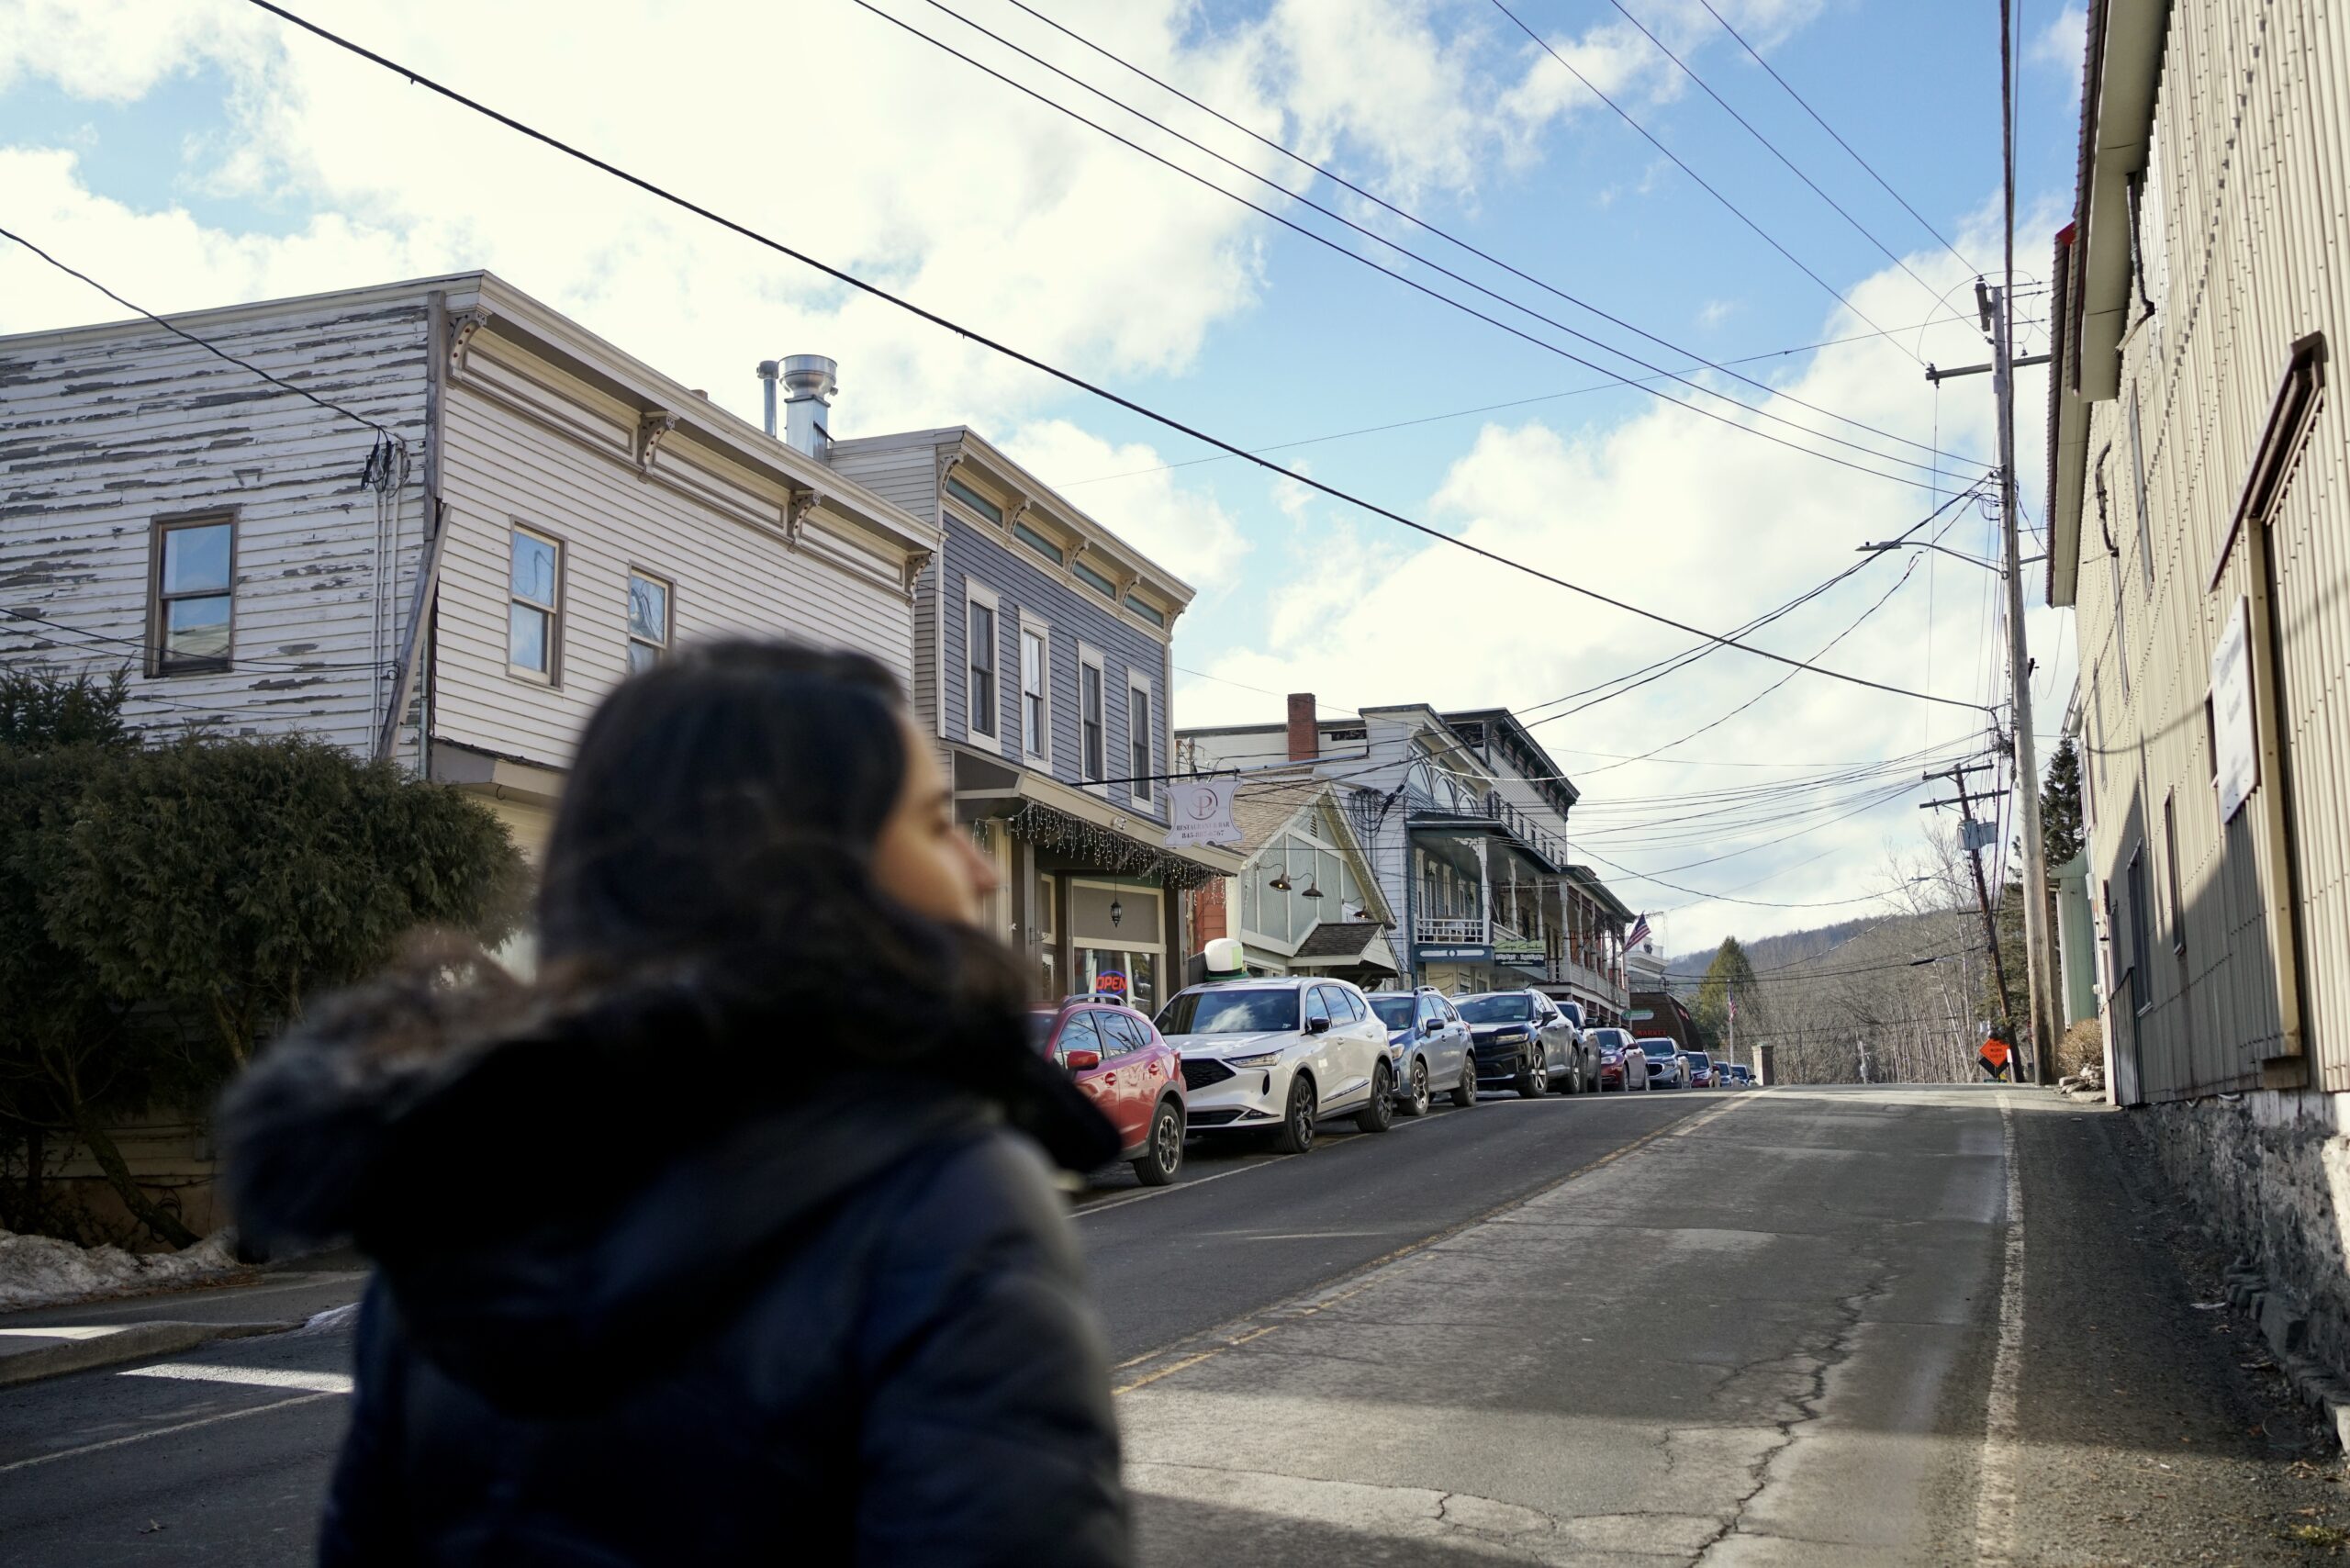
<point x="1758" y="1327"/>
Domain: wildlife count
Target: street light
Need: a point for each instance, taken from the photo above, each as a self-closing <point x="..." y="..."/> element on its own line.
<point x="1992" y="566"/>
<point x="1927" y="544"/>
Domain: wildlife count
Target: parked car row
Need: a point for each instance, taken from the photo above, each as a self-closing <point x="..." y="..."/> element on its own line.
<point x="1281" y="1057"/>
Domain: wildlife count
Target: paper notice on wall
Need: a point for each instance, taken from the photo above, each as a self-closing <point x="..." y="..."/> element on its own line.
<point x="2236" y="740"/>
<point x="1198" y="811"/>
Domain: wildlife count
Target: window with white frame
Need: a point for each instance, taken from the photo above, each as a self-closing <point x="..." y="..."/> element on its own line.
<point x="1035" y="690"/>
<point x="1092" y="762"/>
<point x="1138" y="769"/>
<point x="648" y="621"/>
<point x="535" y="607"/>
<point x="194" y="594"/>
<point x="979" y="656"/>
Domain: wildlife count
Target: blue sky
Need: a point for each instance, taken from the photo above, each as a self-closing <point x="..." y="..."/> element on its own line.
<point x="192" y="155"/>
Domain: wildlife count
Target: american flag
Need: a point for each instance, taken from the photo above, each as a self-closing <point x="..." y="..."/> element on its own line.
<point x="1638" y="934"/>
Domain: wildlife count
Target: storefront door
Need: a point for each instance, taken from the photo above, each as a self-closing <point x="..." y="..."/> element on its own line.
<point x="1129" y="972"/>
<point x="1117" y="941"/>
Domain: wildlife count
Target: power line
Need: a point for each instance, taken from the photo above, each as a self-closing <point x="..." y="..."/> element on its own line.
<point x="1066" y="377"/>
<point x="1764" y="976"/>
<point x="1882" y="600"/>
<point x="1735" y="211"/>
<point x="1773" y="147"/>
<point x="1831" y="129"/>
<point x="1675" y="663"/>
<point x="1482" y="408"/>
<point x="1404" y="278"/>
<point x="1704" y="897"/>
<point x="10" y="612"/>
<point x="382" y="434"/>
<point x="1381" y="202"/>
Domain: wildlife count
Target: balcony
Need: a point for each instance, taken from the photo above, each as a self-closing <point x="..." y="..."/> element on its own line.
<point x="1597" y="982"/>
<point x="1452" y="933"/>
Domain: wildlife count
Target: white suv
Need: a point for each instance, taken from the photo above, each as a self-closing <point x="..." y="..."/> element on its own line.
<point x="1280" y="1056"/>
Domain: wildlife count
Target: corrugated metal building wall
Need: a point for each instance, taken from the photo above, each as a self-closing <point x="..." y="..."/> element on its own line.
<point x="2243" y="225"/>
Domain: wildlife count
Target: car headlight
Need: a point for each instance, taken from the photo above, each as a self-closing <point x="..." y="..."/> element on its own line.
<point x="1262" y="1058"/>
<point x="1510" y="1037"/>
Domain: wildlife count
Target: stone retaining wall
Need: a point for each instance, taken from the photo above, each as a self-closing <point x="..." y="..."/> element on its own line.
<point x="2269" y="1172"/>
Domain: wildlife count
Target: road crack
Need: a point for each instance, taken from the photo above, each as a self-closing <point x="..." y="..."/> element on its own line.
<point x="1812" y="1368"/>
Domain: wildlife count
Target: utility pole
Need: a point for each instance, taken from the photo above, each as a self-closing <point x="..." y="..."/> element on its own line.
<point x="1965" y="804"/>
<point x="1994" y="308"/>
<point x="2035" y="853"/>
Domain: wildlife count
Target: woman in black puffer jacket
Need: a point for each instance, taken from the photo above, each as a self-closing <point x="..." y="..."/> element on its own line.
<point x="731" y="1238"/>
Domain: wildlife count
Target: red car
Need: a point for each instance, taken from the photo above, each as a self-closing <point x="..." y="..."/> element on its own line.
<point x="1119" y="1059"/>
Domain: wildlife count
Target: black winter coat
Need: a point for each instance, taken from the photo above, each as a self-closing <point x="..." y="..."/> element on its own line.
<point x="842" y="1325"/>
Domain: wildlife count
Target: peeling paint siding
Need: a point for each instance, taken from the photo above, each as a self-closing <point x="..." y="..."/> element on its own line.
<point x="2252" y="127"/>
<point x="99" y="438"/>
<point x="503" y="467"/>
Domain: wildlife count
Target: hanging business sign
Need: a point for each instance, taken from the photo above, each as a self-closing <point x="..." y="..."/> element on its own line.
<point x="2235" y="741"/>
<point x="1198" y="811"/>
<point x="1453" y="953"/>
<point x="1520" y="952"/>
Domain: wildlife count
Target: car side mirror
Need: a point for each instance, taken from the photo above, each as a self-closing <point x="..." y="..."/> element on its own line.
<point x="1081" y="1061"/>
<point x="1317" y="1025"/>
<point x="1430" y="1026"/>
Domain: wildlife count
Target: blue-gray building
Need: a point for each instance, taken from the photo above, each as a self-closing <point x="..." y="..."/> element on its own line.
<point x="1042" y="663"/>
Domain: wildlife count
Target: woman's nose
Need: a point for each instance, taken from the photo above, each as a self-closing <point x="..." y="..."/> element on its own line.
<point x="983" y="872"/>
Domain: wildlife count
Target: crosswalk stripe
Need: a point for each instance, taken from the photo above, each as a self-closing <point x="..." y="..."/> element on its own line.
<point x="249" y="1377"/>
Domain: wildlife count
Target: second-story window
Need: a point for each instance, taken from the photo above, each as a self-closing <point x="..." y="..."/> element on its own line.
<point x="1036" y="701"/>
<point x="194" y="595"/>
<point x="1138" y="741"/>
<point x="1089" y="709"/>
<point x="648" y="621"/>
<point x="534" y="608"/>
<point x="978" y="715"/>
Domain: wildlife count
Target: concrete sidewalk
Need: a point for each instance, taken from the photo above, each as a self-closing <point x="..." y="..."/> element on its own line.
<point x="50" y="1341"/>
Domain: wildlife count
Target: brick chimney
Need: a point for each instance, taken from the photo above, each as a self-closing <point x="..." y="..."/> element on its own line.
<point x="1304" y="736"/>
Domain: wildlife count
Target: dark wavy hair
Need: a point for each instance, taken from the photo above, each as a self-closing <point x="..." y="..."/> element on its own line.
<point x="719" y="824"/>
<point x="713" y="948"/>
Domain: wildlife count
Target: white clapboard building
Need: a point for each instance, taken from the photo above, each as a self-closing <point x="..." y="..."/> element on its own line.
<point x="486" y="518"/>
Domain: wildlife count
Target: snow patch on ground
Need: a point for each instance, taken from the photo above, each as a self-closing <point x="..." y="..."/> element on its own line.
<point x="40" y="1270"/>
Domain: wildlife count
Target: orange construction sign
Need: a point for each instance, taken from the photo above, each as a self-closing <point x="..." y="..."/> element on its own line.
<point x="1994" y="1056"/>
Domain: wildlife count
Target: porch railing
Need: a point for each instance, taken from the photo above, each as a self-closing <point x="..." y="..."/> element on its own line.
<point x="1469" y="932"/>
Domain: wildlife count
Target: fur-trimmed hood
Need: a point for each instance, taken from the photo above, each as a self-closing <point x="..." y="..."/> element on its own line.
<point x="589" y="1187"/>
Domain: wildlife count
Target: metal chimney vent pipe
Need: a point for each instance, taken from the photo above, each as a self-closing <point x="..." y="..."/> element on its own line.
<point x="809" y="383"/>
<point x="767" y="370"/>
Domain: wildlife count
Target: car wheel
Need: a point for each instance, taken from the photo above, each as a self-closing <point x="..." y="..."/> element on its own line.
<point x="1297" y="1121"/>
<point x="1163" y="1157"/>
<point x="1418" y="1096"/>
<point x="1574" y="1080"/>
<point x="1380" y="1115"/>
<point x="1464" y="1094"/>
<point x="1534" y="1076"/>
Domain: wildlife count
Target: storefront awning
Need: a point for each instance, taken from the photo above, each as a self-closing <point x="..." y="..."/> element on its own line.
<point x="1346" y="945"/>
<point x="1053" y="815"/>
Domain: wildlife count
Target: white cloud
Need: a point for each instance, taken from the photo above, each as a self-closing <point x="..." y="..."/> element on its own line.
<point x="1674" y="513"/>
<point x="823" y="125"/>
<point x="1183" y="530"/>
<point x="2063" y="41"/>
<point x="1716" y="311"/>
